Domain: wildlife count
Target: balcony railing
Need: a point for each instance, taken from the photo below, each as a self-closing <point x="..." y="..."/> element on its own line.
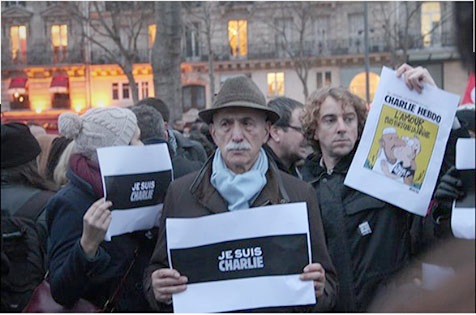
<point x="43" y="57"/>
<point x="255" y="50"/>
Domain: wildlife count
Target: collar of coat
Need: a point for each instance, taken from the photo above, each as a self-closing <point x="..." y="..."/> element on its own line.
<point x="315" y="171"/>
<point x="273" y="192"/>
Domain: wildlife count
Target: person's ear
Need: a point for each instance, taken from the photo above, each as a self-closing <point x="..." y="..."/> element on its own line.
<point x="212" y="131"/>
<point x="275" y="133"/>
<point x="267" y="126"/>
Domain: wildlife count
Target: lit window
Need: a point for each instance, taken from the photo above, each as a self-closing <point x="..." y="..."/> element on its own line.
<point x="237" y="37"/>
<point x="115" y="91"/>
<point x="152" y="30"/>
<point x="125" y="91"/>
<point x="430" y="19"/>
<point x="59" y="41"/>
<point x="276" y="84"/>
<point x="18" y="43"/>
<point x="357" y="85"/>
<point x="145" y="89"/>
<point x="324" y="79"/>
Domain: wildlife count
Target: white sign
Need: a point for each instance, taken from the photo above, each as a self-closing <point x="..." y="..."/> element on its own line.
<point x="403" y="142"/>
<point x="135" y="179"/>
<point x="242" y="259"/>
<point x="463" y="214"/>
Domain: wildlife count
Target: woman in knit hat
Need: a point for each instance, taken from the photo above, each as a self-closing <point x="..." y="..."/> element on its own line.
<point x="81" y="263"/>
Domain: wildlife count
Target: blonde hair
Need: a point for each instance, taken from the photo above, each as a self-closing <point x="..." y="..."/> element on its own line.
<point x="59" y="174"/>
<point x="310" y="115"/>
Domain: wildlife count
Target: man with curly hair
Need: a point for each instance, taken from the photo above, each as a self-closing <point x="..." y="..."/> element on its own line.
<point x="368" y="239"/>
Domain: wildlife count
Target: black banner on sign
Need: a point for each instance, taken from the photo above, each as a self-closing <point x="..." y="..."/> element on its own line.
<point x="137" y="190"/>
<point x="253" y="257"/>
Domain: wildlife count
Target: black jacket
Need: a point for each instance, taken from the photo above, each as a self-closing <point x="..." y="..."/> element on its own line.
<point x="368" y="240"/>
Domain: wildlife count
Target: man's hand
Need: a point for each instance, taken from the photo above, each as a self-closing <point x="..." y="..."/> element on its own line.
<point x="95" y="224"/>
<point x="166" y="282"/>
<point x="316" y="273"/>
<point x="415" y="77"/>
<point x="450" y="186"/>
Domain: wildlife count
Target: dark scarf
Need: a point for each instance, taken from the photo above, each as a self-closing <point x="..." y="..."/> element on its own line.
<point x="87" y="170"/>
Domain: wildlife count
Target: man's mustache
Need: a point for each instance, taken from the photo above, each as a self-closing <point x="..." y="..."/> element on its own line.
<point x="238" y="146"/>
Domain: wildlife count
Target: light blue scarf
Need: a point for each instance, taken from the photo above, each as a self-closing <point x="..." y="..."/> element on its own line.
<point x="239" y="189"/>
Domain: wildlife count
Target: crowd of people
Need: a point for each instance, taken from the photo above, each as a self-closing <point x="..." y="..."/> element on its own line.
<point x="241" y="153"/>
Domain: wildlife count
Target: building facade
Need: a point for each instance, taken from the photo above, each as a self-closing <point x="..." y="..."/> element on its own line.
<point x="49" y="65"/>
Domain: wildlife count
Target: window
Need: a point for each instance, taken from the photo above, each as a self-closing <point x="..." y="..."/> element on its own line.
<point x="430" y="19"/>
<point x="356" y="33"/>
<point x="125" y="91"/>
<point x="357" y="85"/>
<point x="18" y="43"/>
<point x="15" y="4"/>
<point x="283" y="36"/>
<point x="152" y="30"/>
<point x="324" y="79"/>
<point x="193" y="97"/>
<point x="20" y="101"/>
<point x="115" y="91"/>
<point x="145" y="89"/>
<point x="59" y="41"/>
<point x="276" y="84"/>
<point x="192" y="48"/>
<point x="237" y="37"/>
<point x="61" y="100"/>
<point x="321" y="33"/>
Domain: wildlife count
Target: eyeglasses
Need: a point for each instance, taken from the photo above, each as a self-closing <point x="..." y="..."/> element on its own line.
<point x="298" y="129"/>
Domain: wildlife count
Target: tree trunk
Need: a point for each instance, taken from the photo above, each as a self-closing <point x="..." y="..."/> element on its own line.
<point x="128" y="71"/>
<point x="211" y="70"/>
<point x="167" y="56"/>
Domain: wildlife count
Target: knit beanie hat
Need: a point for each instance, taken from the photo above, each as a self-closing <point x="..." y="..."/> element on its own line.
<point x="19" y="146"/>
<point x="97" y="128"/>
<point x="242" y="92"/>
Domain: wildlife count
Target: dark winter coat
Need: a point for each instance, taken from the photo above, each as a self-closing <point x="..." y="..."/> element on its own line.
<point x="181" y="166"/>
<point x="275" y="159"/>
<point x="190" y="149"/>
<point x="368" y="239"/>
<point x="193" y="195"/>
<point x="72" y="274"/>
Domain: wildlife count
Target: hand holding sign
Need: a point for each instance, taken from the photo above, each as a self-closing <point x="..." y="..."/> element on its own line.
<point x="316" y="273"/>
<point x="414" y="77"/>
<point x="166" y="282"/>
<point x="95" y="224"/>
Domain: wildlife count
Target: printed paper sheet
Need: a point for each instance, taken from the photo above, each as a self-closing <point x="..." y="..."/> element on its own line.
<point x="242" y="259"/>
<point x="135" y="179"/>
<point x="403" y="142"/>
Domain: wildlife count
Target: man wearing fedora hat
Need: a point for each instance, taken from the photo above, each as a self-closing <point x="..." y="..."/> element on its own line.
<point x="238" y="176"/>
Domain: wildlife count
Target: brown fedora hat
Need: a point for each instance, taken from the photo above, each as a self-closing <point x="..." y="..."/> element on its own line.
<point x="238" y="92"/>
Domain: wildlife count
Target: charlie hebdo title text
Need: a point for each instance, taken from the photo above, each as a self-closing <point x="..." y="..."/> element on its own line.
<point x="410" y="122"/>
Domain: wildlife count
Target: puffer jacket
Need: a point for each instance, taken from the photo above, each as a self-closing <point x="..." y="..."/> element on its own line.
<point x="368" y="239"/>
<point x="72" y="274"/>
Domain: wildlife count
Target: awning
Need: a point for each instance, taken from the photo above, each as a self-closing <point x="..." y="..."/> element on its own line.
<point x="18" y="85"/>
<point x="59" y="84"/>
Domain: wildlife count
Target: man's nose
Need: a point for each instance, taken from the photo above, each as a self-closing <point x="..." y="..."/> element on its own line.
<point x="236" y="132"/>
<point x="341" y="126"/>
